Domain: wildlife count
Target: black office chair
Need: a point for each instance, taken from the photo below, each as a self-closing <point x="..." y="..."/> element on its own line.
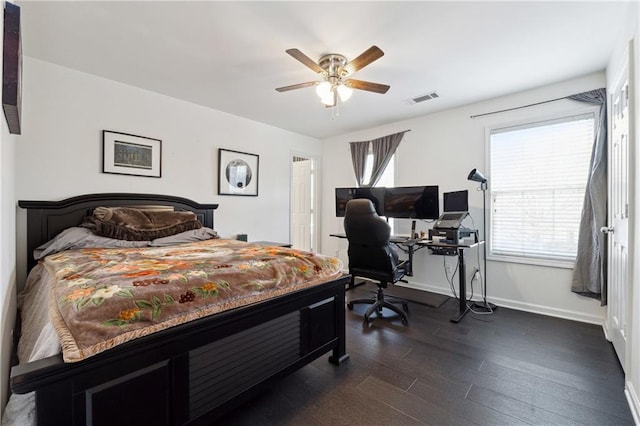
<point x="371" y="256"/>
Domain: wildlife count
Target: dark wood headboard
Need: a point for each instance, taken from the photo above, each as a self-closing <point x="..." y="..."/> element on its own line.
<point x="46" y="219"/>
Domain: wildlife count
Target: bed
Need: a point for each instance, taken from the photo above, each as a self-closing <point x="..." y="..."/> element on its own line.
<point x="192" y="373"/>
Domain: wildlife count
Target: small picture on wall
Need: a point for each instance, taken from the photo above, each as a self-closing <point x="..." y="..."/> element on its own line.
<point x="127" y="154"/>
<point x="237" y="173"/>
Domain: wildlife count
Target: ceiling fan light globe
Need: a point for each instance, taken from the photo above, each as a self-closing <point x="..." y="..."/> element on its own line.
<point x="344" y="92"/>
<point x="323" y="89"/>
<point x="329" y="99"/>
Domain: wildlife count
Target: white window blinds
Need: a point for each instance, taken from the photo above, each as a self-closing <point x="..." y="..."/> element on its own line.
<point x="538" y="179"/>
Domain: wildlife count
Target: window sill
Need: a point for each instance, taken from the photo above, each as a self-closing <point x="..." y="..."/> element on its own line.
<point x="564" y="264"/>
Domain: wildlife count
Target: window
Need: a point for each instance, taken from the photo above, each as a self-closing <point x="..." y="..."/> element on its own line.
<point x="538" y="179"/>
<point x="387" y="176"/>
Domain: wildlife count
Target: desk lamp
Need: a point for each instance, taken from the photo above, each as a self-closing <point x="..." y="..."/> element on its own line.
<point x="476" y="176"/>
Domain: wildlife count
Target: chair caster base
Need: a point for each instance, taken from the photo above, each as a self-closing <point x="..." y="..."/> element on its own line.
<point x="377" y="306"/>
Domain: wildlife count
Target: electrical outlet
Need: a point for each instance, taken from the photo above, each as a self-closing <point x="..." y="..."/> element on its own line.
<point x="476" y="273"/>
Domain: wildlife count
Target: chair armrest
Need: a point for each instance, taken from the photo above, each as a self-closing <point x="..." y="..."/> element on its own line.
<point x="401" y="269"/>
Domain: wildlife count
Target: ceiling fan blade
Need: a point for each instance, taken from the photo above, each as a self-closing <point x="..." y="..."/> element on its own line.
<point x="365" y="58"/>
<point x="305" y="60"/>
<point x="296" y="86"/>
<point x="367" y="85"/>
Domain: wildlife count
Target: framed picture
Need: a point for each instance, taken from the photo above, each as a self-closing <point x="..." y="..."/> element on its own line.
<point x="12" y="68"/>
<point x="125" y="154"/>
<point x="237" y="173"/>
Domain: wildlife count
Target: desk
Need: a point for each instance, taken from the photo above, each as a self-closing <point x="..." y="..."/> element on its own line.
<point x="413" y="245"/>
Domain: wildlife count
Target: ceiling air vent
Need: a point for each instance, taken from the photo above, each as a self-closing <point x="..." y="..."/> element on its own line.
<point x="422" y="98"/>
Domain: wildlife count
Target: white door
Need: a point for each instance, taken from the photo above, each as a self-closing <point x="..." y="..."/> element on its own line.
<point x="618" y="234"/>
<point x="301" y="204"/>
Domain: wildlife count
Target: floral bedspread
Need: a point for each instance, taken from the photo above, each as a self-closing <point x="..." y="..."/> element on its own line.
<point x="105" y="297"/>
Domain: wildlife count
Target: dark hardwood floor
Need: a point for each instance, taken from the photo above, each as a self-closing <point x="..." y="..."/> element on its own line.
<point x="510" y="368"/>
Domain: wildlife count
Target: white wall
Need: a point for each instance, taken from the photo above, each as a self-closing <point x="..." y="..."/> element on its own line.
<point x="59" y="154"/>
<point x="441" y="149"/>
<point x="633" y="375"/>
<point x="7" y="253"/>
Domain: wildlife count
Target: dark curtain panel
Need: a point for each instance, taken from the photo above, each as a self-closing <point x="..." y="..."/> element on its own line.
<point x="589" y="272"/>
<point x="383" y="149"/>
<point x="359" y="152"/>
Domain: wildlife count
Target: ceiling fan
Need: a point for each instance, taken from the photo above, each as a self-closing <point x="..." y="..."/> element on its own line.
<point x="335" y="69"/>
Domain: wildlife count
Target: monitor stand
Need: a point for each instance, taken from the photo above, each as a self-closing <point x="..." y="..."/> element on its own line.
<point x="412" y="236"/>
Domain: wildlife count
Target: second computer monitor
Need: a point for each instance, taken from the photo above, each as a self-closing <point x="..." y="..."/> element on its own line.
<point x="457" y="201"/>
<point x="412" y="202"/>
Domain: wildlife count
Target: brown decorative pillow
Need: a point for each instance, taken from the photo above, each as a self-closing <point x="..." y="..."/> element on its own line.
<point x="125" y="223"/>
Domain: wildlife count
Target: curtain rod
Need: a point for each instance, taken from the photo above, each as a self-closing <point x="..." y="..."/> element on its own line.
<point x="391" y="134"/>
<point x="518" y="107"/>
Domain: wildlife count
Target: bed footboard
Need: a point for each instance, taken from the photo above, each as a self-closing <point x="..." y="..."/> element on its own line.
<point x="193" y="373"/>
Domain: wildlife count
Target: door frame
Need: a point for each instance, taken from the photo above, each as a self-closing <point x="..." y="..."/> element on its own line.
<point x="633" y="265"/>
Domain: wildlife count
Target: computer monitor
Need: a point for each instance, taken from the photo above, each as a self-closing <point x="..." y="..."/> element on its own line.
<point x="343" y="195"/>
<point x="412" y="202"/>
<point x="457" y="201"/>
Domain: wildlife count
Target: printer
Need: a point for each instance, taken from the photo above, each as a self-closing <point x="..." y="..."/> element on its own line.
<point x="448" y="228"/>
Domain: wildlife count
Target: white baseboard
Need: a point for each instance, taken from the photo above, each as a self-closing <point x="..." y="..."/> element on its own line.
<point x="425" y="287"/>
<point x="520" y="306"/>
<point x="553" y="312"/>
<point x="605" y="328"/>
<point x="633" y="400"/>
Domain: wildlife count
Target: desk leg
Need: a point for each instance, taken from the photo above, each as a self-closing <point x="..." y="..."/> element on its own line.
<point x="462" y="291"/>
<point x="409" y="268"/>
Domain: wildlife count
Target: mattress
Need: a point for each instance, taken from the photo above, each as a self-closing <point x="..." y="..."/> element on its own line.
<point x="38" y="340"/>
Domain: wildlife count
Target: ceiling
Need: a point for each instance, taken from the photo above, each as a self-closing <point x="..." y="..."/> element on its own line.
<point x="230" y="56"/>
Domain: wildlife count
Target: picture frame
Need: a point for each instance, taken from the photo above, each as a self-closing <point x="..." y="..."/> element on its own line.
<point x="12" y="68"/>
<point x="237" y="173"/>
<point x="126" y="154"/>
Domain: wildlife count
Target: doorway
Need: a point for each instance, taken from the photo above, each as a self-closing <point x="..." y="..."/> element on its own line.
<point x="303" y="211"/>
